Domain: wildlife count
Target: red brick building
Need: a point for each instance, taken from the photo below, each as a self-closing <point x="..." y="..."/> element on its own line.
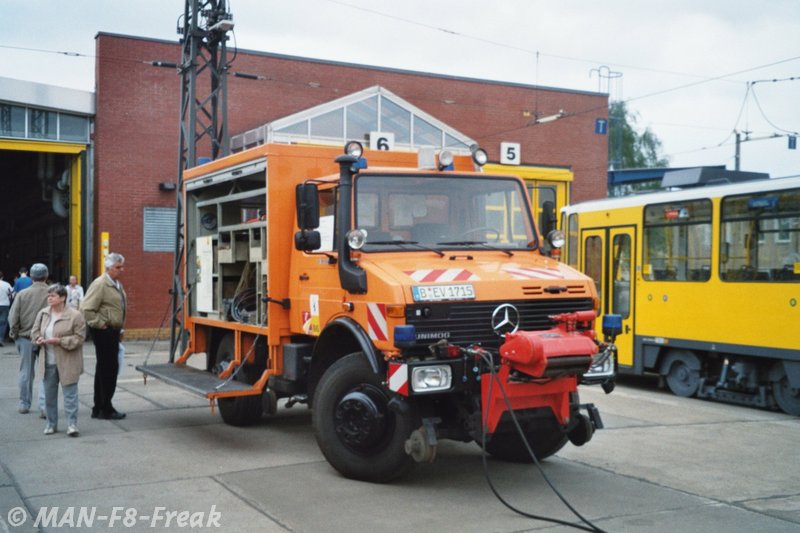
<point x="137" y="124"/>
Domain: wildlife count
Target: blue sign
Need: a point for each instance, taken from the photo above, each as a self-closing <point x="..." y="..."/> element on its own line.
<point x="600" y="126"/>
<point x="792" y="142"/>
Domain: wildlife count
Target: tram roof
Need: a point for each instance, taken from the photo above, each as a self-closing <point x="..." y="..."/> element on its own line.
<point x="713" y="191"/>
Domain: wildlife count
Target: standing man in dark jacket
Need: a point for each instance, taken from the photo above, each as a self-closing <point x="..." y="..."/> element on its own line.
<point x="103" y="307"/>
<point x="22" y="315"/>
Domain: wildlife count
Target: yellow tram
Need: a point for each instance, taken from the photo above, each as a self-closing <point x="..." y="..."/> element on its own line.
<point x="707" y="281"/>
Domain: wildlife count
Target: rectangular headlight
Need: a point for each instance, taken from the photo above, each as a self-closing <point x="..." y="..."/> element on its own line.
<point x="431" y="378"/>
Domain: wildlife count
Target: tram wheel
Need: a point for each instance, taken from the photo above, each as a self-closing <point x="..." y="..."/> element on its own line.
<point x="683" y="378"/>
<point x="786" y="396"/>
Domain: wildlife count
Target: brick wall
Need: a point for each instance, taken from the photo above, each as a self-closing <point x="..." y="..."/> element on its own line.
<point x="137" y="121"/>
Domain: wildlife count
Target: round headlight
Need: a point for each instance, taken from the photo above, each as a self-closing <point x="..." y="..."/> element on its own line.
<point x="480" y="157"/>
<point x="445" y="159"/>
<point x="354" y="148"/>
<point x="556" y="238"/>
<point x="356" y="238"/>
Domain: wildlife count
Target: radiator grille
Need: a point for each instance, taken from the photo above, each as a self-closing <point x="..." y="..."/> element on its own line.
<point x="471" y="322"/>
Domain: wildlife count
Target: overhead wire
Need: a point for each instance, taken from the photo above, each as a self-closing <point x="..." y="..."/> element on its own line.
<point x="506" y="45"/>
<point x="764" y="115"/>
<point x="722" y="77"/>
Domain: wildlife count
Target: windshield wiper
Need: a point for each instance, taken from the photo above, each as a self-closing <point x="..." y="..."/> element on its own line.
<point x="509" y="253"/>
<point x="414" y="243"/>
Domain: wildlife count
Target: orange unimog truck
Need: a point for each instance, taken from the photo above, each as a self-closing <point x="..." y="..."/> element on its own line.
<point x="404" y="302"/>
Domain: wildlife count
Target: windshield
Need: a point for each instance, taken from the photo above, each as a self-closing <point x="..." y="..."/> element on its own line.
<point x="451" y="211"/>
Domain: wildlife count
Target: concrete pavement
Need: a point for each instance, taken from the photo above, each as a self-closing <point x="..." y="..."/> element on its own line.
<point x="663" y="464"/>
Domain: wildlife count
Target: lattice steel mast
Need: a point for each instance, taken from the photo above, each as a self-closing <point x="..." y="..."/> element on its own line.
<point x="203" y="121"/>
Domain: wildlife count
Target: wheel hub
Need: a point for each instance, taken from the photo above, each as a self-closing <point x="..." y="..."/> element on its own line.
<point x="360" y="418"/>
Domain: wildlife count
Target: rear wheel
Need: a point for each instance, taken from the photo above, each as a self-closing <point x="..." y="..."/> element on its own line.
<point x="545" y="439"/>
<point x="241" y="410"/>
<point x="355" y="429"/>
<point x="683" y="378"/>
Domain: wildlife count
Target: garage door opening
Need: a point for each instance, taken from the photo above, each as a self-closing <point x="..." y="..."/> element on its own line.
<point x="35" y="211"/>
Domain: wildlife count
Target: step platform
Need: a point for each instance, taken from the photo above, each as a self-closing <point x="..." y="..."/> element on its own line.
<point x="198" y="381"/>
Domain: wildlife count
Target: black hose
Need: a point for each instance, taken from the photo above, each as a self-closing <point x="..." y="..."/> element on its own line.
<point x="487" y="357"/>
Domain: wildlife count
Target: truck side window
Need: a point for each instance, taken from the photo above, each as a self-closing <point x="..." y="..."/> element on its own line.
<point x="327" y="219"/>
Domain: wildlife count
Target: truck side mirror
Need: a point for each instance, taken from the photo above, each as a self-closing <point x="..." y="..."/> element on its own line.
<point x="307" y="240"/>
<point x="307" y="197"/>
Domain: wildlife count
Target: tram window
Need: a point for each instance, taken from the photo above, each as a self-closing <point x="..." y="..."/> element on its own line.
<point x="677" y="241"/>
<point x="761" y="235"/>
<point x="572" y="241"/>
<point x="593" y="266"/>
<point x="621" y="274"/>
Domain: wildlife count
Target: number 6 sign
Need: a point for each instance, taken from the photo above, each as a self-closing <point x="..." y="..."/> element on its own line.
<point x="379" y="140"/>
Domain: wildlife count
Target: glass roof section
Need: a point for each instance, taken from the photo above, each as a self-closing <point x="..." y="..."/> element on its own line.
<point x="355" y="117"/>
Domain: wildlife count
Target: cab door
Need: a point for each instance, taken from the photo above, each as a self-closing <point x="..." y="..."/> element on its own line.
<point x="606" y="255"/>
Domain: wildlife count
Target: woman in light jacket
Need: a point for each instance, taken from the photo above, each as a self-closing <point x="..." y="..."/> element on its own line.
<point x="61" y="330"/>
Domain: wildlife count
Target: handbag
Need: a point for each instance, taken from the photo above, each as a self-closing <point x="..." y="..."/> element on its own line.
<point x="121" y="358"/>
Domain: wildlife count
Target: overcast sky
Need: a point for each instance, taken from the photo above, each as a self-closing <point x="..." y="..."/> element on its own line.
<point x="682" y="65"/>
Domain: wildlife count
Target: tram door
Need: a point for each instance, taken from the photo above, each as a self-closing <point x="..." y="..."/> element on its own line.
<point x="606" y="258"/>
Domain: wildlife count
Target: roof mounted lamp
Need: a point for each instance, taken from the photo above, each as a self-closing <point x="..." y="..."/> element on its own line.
<point x="479" y="155"/>
<point x="446" y="160"/>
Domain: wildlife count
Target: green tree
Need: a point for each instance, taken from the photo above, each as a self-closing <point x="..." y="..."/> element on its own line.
<point x="627" y="148"/>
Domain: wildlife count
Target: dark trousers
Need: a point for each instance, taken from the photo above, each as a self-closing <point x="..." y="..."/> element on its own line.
<point x="106" y="345"/>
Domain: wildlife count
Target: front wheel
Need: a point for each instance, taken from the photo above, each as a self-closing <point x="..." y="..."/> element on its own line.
<point x="545" y="439"/>
<point x="355" y="429"/>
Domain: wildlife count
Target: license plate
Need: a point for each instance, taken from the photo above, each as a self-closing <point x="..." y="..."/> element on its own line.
<point x="436" y="293"/>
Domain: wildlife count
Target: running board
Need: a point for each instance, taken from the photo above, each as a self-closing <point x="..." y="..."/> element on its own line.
<point x="198" y="381"/>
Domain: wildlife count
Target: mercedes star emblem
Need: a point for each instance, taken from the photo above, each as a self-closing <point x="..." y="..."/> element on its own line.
<point x="505" y="319"/>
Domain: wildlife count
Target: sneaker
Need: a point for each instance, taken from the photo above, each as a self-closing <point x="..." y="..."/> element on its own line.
<point x="24" y="410"/>
<point x="42" y="414"/>
<point x="49" y="430"/>
<point x="72" y="431"/>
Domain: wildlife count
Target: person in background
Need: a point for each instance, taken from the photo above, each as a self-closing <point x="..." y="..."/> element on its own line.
<point x="23" y="281"/>
<point x="74" y="293"/>
<point x="103" y="307"/>
<point x="61" y="330"/>
<point x="6" y="295"/>
<point x="26" y="305"/>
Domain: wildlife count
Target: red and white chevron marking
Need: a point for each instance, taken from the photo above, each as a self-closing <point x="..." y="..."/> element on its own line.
<point x="398" y="378"/>
<point x="377" y="328"/>
<point x="533" y="273"/>
<point x="441" y="274"/>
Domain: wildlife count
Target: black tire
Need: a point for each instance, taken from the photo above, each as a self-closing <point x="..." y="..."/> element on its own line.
<point x="787" y="398"/>
<point x="545" y="440"/>
<point x="356" y="431"/>
<point x="243" y="410"/>
<point x="681" y="377"/>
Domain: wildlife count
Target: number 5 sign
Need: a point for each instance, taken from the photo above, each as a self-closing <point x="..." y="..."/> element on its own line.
<point x="379" y="140"/>
<point x="510" y="153"/>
